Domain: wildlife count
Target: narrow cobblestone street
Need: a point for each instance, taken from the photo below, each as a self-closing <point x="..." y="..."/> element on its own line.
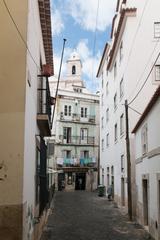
<point x="85" y="216"/>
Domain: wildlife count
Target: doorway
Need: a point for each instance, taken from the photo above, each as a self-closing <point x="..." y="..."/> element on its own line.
<point x="61" y="181"/>
<point x="80" y="183"/>
<point x="67" y="135"/>
<point x="145" y="201"/>
<point x="122" y="192"/>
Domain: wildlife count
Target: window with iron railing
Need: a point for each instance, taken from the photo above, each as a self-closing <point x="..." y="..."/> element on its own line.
<point x="44" y="97"/>
<point x="64" y="139"/>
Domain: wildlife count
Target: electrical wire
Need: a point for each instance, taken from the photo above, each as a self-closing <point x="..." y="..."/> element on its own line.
<point x="135" y="35"/>
<point x="144" y="81"/>
<point x="135" y="110"/>
<point x="146" y="66"/>
<point x="23" y="40"/>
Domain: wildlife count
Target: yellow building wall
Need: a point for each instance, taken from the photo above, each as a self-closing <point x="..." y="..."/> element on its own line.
<point x="12" y="109"/>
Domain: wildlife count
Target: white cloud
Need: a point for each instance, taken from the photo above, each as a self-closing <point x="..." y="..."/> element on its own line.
<point x="89" y="62"/>
<point x="57" y="22"/>
<point x="84" y="13"/>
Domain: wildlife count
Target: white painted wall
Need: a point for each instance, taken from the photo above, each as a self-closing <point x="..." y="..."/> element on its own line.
<point x="149" y="166"/>
<point x="139" y="52"/>
<point x="35" y="45"/>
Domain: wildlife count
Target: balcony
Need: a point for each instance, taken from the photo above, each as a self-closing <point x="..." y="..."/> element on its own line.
<point x="44" y="107"/>
<point x="76" y="162"/>
<point x="77" y="118"/>
<point x="77" y="140"/>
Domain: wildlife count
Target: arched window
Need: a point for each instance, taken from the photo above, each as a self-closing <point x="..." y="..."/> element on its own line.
<point x="73" y="69"/>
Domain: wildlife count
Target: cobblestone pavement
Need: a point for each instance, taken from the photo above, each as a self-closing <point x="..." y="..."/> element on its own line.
<point x="82" y="215"/>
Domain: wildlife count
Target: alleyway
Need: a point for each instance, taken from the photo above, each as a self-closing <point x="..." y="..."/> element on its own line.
<point x="85" y="216"/>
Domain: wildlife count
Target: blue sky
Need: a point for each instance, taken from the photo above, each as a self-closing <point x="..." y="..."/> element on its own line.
<point x="75" y="20"/>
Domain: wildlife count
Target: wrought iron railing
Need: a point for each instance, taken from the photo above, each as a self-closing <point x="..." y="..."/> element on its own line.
<point x="68" y="162"/>
<point x="44" y="97"/>
<point x="77" y="117"/>
<point x="76" y="140"/>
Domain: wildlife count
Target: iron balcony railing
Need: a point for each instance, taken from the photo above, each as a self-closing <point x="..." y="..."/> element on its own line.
<point x="44" y="98"/>
<point x="69" y="162"/>
<point x="76" y="140"/>
<point x="77" y="117"/>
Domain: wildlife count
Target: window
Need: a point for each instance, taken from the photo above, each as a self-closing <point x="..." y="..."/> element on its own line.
<point x="115" y="69"/>
<point x="107" y="115"/>
<point x="107" y="90"/>
<point x="78" y="90"/>
<point x="69" y="113"/>
<point x="115" y="101"/>
<point x="102" y="80"/>
<point x="122" y="163"/>
<point x="86" y="154"/>
<point x="84" y="135"/>
<point x="83" y="112"/>
<point x="102" y="100"/>
<point x="73" y="70"/>
<point x="67" y="154"/>
<point x="102" y="144"/>
<point x="157" y="72"/>
<point x="121" y="52"/>
<point x="121" y="124"/>
<point x="67" y="110"/>
<point x="107" y="140"/>
<point x="157" y="30"/>
<point x="115" y="133"/>
<point x="37" y="182"/>
<point x="144" y="139"/>
<point x="112" y="170"/>
<point x="50" y="147"/>
<point x="67" y="135"/>
<point x="121" y="88"/>
<point x="106" y="66"/>
<point x="102" y="122"/>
